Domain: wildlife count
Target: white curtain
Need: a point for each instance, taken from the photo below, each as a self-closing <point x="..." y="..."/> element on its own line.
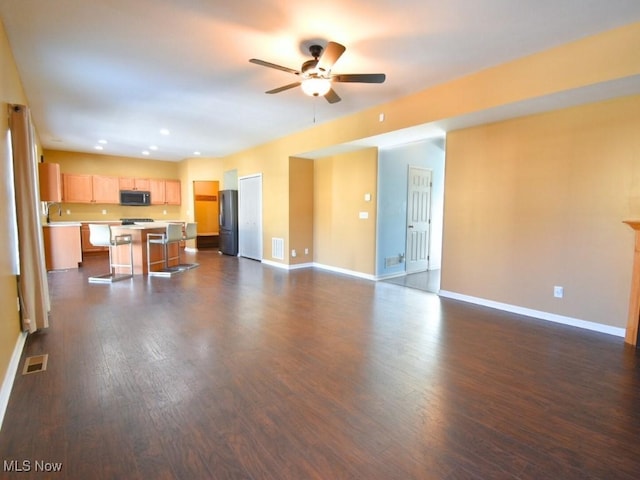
<point x="33" y="288"/>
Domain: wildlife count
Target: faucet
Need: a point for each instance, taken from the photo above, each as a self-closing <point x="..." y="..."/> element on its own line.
<point x="49" y="205"/>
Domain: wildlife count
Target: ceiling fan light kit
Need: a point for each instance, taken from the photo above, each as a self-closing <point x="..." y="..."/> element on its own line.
<point x="316" y="86"/>
<point x="315" y="75"/>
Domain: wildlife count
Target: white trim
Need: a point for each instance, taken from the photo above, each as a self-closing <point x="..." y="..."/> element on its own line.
<point x="271" y="263"/>
<point x="298" y="266"/>
<point x="344" y="271"/>
<point x="284" y="266"/>
<point x="12" y="370"/>
<point x="320" y="266"/>
<point x="551" y="317"/>
<point x="391" y="275"/>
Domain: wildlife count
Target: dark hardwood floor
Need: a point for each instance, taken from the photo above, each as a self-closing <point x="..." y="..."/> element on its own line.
<point x="236" y="370"/>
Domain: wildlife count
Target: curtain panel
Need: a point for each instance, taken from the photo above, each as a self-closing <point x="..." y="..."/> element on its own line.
<point x="33" y="288"/>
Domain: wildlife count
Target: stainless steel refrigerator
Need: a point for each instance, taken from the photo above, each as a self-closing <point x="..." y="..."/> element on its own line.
<point x="228" y="222"/>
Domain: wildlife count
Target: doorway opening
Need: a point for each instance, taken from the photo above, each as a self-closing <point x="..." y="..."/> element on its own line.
<point x="205" y="200"/>
<point x="410" y="217"/>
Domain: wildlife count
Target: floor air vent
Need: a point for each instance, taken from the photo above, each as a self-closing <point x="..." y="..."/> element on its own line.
<point x="37" y="363"/>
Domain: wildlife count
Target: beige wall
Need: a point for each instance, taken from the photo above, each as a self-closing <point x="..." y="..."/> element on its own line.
<point x="273" y="163"/>
<point x="93" y="164"/>
<point x="10" y="92"/>
<point x="193" y="169"/>
<point x="539" y="201"/>
<point x="301" y="210"/>
<point x="341" y="239"/>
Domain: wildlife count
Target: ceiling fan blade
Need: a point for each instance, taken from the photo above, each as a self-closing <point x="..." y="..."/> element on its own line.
<point x="360" y="77"/>
<point x="332" y="96"/>
<point x="273" y="65"/>
<point x="282" y="89"/>
<point x="331" y="54"/>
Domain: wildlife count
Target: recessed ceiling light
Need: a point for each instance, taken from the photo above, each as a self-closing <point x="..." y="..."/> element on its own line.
<point x="145" y="152"/>
<point x="153" y="147"/>
<point x="165" y="131"/>
<point x="102" y="142"/>
<point x="98" y="147"/>
<point x="196" y="153"/>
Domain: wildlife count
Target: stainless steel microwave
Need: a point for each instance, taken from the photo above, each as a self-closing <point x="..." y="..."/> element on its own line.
<point x="135" y="197"/>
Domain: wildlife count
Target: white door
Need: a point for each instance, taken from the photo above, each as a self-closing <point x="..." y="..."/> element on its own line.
<point x="418" y="219"/>
<point x="250" y="217"/>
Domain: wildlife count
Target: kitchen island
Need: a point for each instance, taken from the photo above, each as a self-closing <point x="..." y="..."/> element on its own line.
<point x="139" y="233"/>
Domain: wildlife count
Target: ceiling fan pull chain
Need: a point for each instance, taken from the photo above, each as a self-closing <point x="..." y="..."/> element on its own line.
<point x="315" y="99"/>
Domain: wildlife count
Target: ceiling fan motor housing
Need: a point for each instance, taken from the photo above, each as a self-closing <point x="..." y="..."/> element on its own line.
<point x="315" y="51"/>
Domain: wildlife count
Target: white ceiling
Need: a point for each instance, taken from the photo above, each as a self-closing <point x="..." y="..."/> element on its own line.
<point x="120" y="70"/>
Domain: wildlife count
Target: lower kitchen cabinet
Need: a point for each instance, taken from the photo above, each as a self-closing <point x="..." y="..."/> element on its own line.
<point x="62" y="246"/>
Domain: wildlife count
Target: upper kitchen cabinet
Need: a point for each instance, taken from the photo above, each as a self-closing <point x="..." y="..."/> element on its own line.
<point x="50" y="182"/>
<point x="105" y="189"/>
<point x="77" y="188"/>
<point x="90" y="189"/>
<point x="172" y="193"/>
<point x="165" y="192"/>
<point x="129" y="183"/>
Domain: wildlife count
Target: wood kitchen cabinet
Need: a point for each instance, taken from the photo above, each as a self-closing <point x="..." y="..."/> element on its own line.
<point x="62" y="246"/>
<point x="77" y="188"/>
<point x="156" y="187"/>
<point x="105" y="189"/>
<point x="90" y="189"/>
<point x="165" y="192"/>
<point x="130" y="183"/>
<point x="50" y="182"/>
<point x="172" y="194"/>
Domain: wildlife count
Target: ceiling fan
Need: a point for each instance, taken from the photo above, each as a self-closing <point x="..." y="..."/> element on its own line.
<point x="315" y="75"/>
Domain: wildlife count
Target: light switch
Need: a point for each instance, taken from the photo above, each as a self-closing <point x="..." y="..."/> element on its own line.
<point x="364" y="215"/>
<point x="367" y="197"/>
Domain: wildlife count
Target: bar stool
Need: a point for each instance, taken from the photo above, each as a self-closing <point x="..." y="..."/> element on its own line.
<point x="100" y="235"/>
<point x="190" y="233"/>
<point x="173" y="234"/>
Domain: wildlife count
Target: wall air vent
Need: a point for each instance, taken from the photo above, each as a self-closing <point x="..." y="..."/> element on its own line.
<point x="277" y="248"/>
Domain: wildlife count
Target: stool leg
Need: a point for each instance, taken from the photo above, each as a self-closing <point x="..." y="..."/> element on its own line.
<point x="131" y="256"/>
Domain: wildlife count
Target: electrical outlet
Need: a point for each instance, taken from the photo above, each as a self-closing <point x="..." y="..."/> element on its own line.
<point x="306" y="251"/>
<point x="558" y="291"/>
<point x="104" y="212"/>
<point x="293" y="253"/>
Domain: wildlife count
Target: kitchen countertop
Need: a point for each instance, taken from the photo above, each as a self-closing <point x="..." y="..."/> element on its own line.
<point x="62" y="224"/>
<point x="78" y="223"/>
<point x="146" y="225"/>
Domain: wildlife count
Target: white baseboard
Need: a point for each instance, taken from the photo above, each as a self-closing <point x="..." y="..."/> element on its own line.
<point x="298" y="266"/>
<point x="330" y="268"/>
<point x="271" y="263"/>
<point x="345" y="271"/>
<point x="190" y="249"/>
<point x="391" y="275"/>
<point x="12" y="370"/>
<point x="551" y="317"/>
